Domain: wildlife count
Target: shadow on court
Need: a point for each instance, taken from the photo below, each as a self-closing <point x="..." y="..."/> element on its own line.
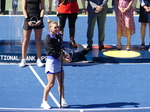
<point x="108" y="105"/>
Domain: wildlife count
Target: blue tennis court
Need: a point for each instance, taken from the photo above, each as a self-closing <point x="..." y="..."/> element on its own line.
<point x="94" y="87"/>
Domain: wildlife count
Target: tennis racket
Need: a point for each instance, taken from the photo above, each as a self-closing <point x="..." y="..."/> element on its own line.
<point x="34" y="19"/>
<point x="68" y="53"/>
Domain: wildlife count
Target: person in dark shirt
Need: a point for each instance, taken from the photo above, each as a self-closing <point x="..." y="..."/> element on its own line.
<point x="53" y="48"/>
<point x="144" y="19"/>
<point x="3" y="2"/>
<point x="33" y="11"/>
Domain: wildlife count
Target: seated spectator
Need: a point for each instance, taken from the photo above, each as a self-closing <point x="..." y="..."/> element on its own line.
<point x="14" y="6"/>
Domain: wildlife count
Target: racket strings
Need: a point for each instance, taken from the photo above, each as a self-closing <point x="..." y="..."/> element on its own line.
<point x="34" y="19"/>
<point x="68" y="53"/>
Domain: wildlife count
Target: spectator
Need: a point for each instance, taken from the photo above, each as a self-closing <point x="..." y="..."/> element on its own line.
<point x="68" y="9"/>
<point x="84" y="11"/>
<point x="125" y="21"/>
<point x="144" y="19"/>
<point x="50" y="7"/>
<point x="97" y="10"/>
<point x="3" y="2"/>
<point x="14" y="6"/>
<point x="134" y="7"/>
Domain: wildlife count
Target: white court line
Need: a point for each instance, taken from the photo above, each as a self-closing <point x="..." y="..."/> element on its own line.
<point x="40" y="80"/>
<point x="139" y="109"/>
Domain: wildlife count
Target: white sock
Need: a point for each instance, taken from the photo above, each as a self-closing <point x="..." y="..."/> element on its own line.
<point x="38" y="59"/>
<point x="44" y="101"/>
<point x="23" y="59"/>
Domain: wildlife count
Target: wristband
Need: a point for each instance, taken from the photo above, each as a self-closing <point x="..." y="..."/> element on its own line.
<point x="27" y="19"/>
<point x="41" y="18"/>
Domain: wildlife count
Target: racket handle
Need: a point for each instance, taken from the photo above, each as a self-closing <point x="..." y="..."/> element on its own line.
<point x="61" y="33"/>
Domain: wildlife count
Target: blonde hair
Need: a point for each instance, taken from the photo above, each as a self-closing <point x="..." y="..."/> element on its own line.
<point x="50" y="22"/>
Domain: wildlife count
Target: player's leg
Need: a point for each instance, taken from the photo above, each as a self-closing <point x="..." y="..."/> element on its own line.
<point x="60" y="80"/>
<point x="50" y="84"/>
<point x="25" y="44"/>
<point x="38" y="35"/>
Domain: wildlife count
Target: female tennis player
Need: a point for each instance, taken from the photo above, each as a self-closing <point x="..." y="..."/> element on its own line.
<point x="33" y="11"/>
<point x="53" y="48"/>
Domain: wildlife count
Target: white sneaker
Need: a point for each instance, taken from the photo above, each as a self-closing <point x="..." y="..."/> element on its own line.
<point x="64" y="103"/>
<point x="39" y="63"/>
<point x="23" y="63"/>
<point x="45" y="105"/>
<point x="149" y="49"/>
